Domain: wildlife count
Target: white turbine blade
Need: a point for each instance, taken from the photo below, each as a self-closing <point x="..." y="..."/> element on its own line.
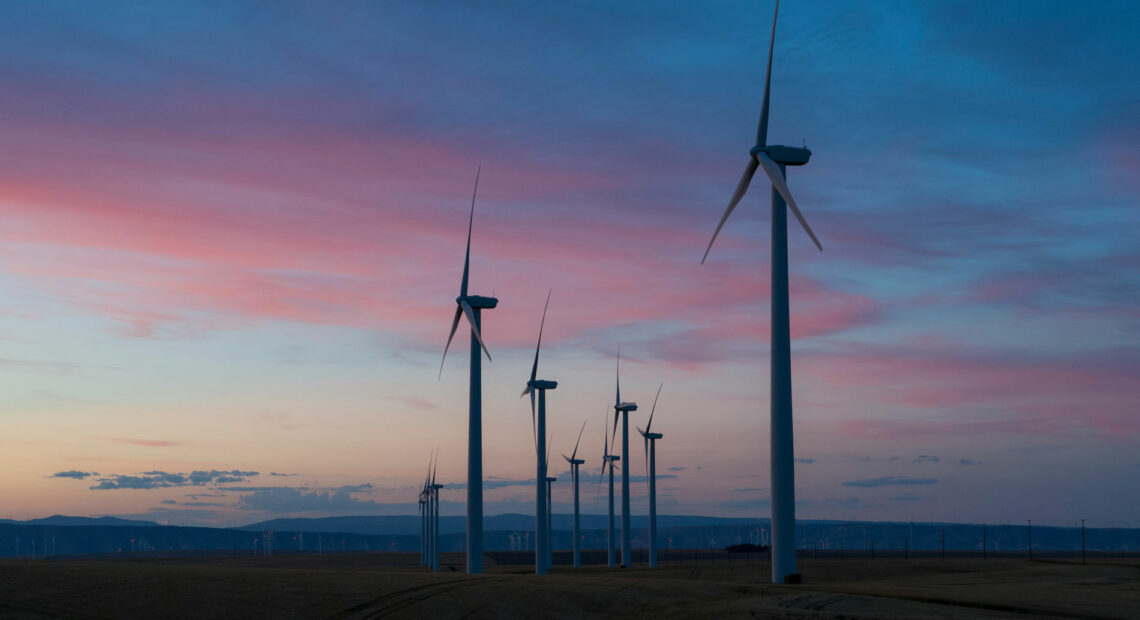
<point x="762" y="129"/>
<point x="575" y="453"/>
<point x="533" y="422"/>
<point x="617" y="373"/>
<point x="470" y="221"/>
<point x="645" y="438"/>
<point x="454" y="326"/>
<point x="534" y="369"/>
<point x="772" y="169"/>
<point x="741" y="188"/>
<point x="474" y="330"/>
<point x="649" y="424"/>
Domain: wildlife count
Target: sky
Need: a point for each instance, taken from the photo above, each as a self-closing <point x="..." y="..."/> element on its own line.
<point x="231" y="236"/>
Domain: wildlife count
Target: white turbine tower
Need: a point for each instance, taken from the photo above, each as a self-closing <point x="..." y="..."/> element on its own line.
<point x="472" y="306"/>
<point x="549" y="513"/>
<point x="610" y="460"/>
<point x="574" y="462"/>
<point x="650" y="439"/>
<point x="538" y="426"/>
<point x="423" y="500"/>
<point x="435" y="520"/>
<point x="773" y="159"/>
<point x="621" y="411"/>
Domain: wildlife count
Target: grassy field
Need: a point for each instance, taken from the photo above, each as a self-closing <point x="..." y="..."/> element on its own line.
<point x="372" y="585"/>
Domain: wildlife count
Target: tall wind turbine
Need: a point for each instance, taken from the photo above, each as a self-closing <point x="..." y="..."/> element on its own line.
<point x="651" y="471"/>
<point x="621" y="411"/>
<point x="538" y="426"/>
<point x="774" y="159"/>
<point x="609" y="459"/>
<point x="549" y="512"/>
<point x="574" y="462"/>
<point x="471" y="306"/>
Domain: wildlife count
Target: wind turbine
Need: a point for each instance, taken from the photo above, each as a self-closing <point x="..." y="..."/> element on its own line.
<point x="621" y="410"/>
<point x="774" y="159"/>
<point x="549" y="513"/>
<point x="471" y="306"/>
<point x="435" y="520"/>
<point x="651" y="471"/>
<point x="538" y="426"/>
<point x="609" y="459"/>
<point x="423" y="500"/>
<point x="574" y="462"/>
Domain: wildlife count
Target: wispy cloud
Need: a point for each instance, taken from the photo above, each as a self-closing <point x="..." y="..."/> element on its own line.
<point x="889" y="481"/>
<point x="78" y="475"/>
<point x="163" y="480"/>
<point x="153" y="443"/>
<point x="926" y="458"/>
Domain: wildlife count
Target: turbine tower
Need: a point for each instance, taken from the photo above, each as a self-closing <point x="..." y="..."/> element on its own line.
<point x="435" y="520"/>
<point x="609" y="459"/>
<point x="774" y="159"/>
<point x="650" y="439"/>
<point x="538" y="426"/>
<point x="574" y="462"/>
<point x="472" y="306"/>
<point x="621" y="411"/>
<point x="424" y="515"/>
<point x="549" y="513"/>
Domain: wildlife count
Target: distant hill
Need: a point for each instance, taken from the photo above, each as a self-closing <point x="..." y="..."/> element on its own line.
<point x="63" y="520"/>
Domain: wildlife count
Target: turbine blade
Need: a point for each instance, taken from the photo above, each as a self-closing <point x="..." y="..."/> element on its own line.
<point x="474" y="329"/>
<point x="772" y="169"/>
<point x="575" y="453"/>
<point x="617" y="372"/>
<point x="549" y="440"/>
<point x="649" y="424"/>
<point x="645" y="439"/>
<point x="534" y="369"/>
<point x="533" y="422"/>
<point x="741" y="188"/>
<point x="762" y="129"/>
<point x="525" y="392"/>
<point x="454" y="326"/>
<point x="568" y="459"/>
<point x="470" y="221"/>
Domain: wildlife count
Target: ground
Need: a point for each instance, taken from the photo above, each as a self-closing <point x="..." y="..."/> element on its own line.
<point x="363" y="585"/>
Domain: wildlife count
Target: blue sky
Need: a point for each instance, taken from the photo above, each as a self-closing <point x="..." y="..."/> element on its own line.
<point x="231" y="234"/>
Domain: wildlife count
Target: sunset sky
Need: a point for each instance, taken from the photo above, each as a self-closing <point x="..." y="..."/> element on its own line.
<point x="231" y="237"/>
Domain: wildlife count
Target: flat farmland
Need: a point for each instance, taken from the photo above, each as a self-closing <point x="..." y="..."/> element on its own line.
<point x="393" y="585"/>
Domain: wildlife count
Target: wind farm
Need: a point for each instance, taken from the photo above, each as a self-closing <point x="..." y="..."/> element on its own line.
<point x="229" y="240"/>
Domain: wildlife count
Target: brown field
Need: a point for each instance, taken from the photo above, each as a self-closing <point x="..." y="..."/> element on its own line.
<point x="372" y="585"/>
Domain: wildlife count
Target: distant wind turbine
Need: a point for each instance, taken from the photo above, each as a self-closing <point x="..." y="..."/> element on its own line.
<point x="423" y="500"/>
<point x="538" y="426"/>
<point x="774" y="159"/>
<point x="621" y="411"/>
<point x="472" y="306"/>
<point x="549" y="512"/>
<point x="574" y="462"/>
<point x="610" y="460"/>
<point x="435" y="520"/>
<point x="651" y="471"/>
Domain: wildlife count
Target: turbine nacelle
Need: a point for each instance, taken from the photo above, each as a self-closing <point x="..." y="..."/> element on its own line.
<point x="625" y="407"/>
<point x="541" y="384"/>
<point x="478" y="301"/>
<point x="650" y="435"/>
<point x="550" y="479"/>
<point x="785" y="155"/>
